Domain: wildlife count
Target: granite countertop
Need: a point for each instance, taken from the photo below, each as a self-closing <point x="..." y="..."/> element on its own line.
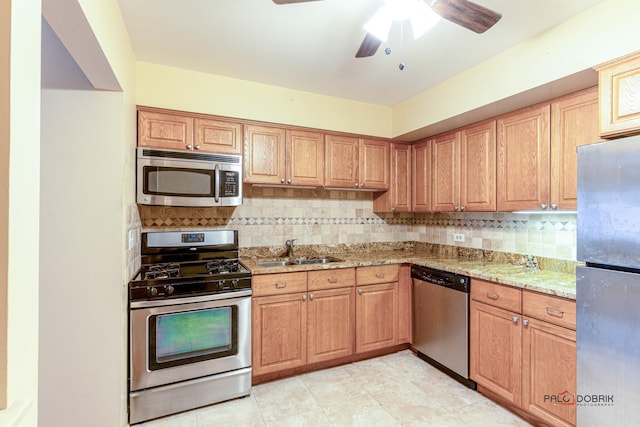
<point x="507" y="270"/>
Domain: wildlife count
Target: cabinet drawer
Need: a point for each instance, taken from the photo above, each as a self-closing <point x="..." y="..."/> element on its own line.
<point x="497" y="295"/>
<point x="376" y="274"/>
<point x="331" y="279"/>
<point x="277" y="284"/>
<point x="559" y="311"/>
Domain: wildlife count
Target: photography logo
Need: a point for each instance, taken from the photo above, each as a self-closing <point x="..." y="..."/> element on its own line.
<point x="568" y="398"/>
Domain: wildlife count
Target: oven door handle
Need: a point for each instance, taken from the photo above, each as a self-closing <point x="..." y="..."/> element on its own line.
<point x="216" y="184"/>
<point x="189" y="300"/>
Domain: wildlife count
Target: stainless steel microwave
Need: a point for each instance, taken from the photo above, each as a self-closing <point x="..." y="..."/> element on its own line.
<point x="184" y="178"/>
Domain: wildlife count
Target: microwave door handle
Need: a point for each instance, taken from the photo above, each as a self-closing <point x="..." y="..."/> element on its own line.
<point x="216" y="190"/>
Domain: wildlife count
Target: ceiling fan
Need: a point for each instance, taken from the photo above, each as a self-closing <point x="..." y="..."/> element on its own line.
<point x="462" y="12"/>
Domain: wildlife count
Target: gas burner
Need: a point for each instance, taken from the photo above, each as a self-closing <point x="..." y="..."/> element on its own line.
<point x="162" y="271"/>
<point x="222" y="265"/>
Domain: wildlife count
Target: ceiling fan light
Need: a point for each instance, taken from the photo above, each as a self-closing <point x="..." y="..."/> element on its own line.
<point x="422" y="19"/>
<point x="379" y="24"/>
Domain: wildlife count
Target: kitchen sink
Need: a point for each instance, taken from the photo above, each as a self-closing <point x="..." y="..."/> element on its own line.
<point x="275" y="263"/>
<point x="317" y="260"/>
<point x="298" y="261"/>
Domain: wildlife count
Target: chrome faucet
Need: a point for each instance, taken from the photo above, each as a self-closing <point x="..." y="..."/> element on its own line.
<point x="289" y="245"/>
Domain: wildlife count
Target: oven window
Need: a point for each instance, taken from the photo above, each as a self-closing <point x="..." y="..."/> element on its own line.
<point x="192" y="336"/>
<point x="178" y="181"/>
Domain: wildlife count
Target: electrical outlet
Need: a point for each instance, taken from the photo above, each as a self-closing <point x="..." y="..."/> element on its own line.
<point x="131" y="240"/>
<point x="458" y="237"/>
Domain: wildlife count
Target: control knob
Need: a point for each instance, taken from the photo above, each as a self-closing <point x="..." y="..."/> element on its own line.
<point x="169" y="289"/>
<point x="152" y="291"/>
<point x="234" y="283"/>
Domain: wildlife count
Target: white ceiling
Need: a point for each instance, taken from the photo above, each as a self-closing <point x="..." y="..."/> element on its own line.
<point x="311" y="46"/>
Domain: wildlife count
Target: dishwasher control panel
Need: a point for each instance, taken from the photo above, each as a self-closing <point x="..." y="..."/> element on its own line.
<point x="441" y="278"/>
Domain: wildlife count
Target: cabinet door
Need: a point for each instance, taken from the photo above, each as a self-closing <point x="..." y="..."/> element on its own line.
<point x="574" y="121"/>
<point x="374" y="164"/>
<point x="549" y="372"/>
<point x="164" y="130"/>
<point x="477" y="187"/>
<point x="495" y="352"/>
<point x="445" y="170"/>
<point x="398" y="197"/>
<point x="305" y="158"/>
<point x="376" y="316"/>
<point x="218" y="136"/>
<point x="331" y="324"/>
<point x="341" y="162"/>
<point x="523" y="160"/>
<point x="279" y="336"/>
<point x="421" y="177"/>
<point x="405" y="305"/>
<point x="619" y="87"/>
<point x="264" y="155"/>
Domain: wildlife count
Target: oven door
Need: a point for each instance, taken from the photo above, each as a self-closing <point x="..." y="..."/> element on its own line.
<point x="179" y="339"/>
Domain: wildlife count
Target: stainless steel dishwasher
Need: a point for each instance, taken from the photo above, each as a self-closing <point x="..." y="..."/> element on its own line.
<point x="441" y="320"/>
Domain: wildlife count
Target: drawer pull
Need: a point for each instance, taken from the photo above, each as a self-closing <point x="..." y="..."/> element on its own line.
<point x="360" y="291"/>
<point x="493" y="296"/>
<point x="514" y="319"/>
<point x="380" y="275"/>
<point x="281" y="285"/>
<point x="332" y="280"/>
<point x="554" y="312"/>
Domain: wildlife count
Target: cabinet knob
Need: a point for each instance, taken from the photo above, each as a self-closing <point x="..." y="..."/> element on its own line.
<point x="361" y="184"/>
<point x="360" y="291"/>
<point x="554" y="207"/>
<point x="310" y="296"/>
<point x="543" y="207"/>
<point x="357" y="184"/>
<point x="304" y="297"/>
<point x="461" y="208"/>
<point x="515" y="319"/>
<point x="289" y="181"/>
<point x="282" y="180"/>
<point x="197" y="147"/>
<point x="393" y="209"/>
<point x="455" y="208"/>
<point x="189" y="146"/>
<point x="525" y="322"/>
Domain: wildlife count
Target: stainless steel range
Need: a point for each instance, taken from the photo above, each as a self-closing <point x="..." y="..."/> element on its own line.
<point x="189" y="323"/>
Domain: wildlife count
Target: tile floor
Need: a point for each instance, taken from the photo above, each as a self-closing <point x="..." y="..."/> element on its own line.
<point x="394" y="390"/>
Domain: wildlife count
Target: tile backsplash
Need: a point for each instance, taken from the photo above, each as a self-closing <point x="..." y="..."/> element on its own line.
<point x="269" y="216"/>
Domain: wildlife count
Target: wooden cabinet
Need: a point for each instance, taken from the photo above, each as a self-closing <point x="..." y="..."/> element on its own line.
<point x="523" y="150"/>
<point x="275" y="156"/>
<point x="279" y="332"/>
<point x="405" y="305"/>
<point x="356" y="163"/>
<point x="464" y="169"/>
<point x="619" y="92"/>
<point x="398" y="197"/>
<point x="301" y="318"/>
<point x="573" y="123"/>
<point x="181" y="131"/>
<point x="421" y="176"/>
<point x="523" y="349"/>
<point x="376" y="308"/>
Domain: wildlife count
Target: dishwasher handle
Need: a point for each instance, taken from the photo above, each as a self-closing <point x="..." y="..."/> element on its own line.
<point x="446" y="279"/>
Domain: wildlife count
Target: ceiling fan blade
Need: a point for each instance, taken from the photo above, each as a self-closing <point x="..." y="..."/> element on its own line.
<point x="467" y="14"/>
<point x="291" y="1"/>
<point x="369" y="46"/>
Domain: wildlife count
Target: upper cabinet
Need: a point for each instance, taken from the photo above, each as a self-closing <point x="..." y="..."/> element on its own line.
<point x="398" y="198"/>
<point x="181" y="131"/>
<point x="356" y="163"/>
<point x="275" y="156"/>
<point x="573" y="123"/>
<point x="523" y="150"/>
<point x="421" y="176"/>
<point x="619" y="87"/>
<point x="464" y="169"/>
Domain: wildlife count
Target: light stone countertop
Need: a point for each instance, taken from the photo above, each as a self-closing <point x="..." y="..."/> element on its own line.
<point x="517" y="275"/>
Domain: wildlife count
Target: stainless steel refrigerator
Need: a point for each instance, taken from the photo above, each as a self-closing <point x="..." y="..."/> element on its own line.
<point x="608" y="287"/>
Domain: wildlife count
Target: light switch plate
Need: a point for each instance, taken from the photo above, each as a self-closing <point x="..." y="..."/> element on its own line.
<point x="458" y="237"/>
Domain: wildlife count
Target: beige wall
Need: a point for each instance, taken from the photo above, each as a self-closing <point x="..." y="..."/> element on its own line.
<point x="604" y="32"/>
<point x="179" y="89"/>
<point x="5" y="84"/>
<point x="23" y="207"/>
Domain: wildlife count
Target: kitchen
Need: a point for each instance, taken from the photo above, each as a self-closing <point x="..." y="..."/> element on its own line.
<point x="98" y="213"/>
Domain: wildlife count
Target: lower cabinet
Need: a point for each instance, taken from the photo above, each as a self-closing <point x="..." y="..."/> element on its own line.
<point x="302" y="318"/>
<point x="523" y="350"/>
